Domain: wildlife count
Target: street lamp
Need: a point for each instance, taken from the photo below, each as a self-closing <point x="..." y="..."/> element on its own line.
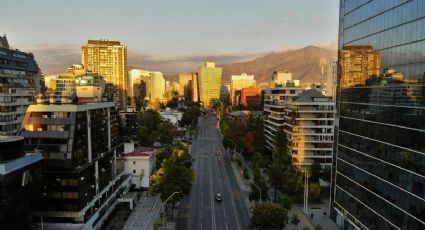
<point x="163" y="205"/>
<point x="261" y="198"/>
<point x="306" y="173"/>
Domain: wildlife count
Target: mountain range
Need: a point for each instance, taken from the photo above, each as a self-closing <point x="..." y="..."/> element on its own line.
<point x="302" y="63"/>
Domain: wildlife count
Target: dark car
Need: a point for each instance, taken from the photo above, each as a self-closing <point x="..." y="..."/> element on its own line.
<point x="218" y="197"/>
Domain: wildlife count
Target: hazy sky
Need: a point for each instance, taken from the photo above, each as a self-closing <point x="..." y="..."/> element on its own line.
<point x="167" y="35"/>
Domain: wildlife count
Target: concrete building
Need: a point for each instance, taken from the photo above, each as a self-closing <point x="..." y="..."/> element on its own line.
<point x="16" y="183"/>
<point x="209" y="82"/>
<point x="20" y="83"/>
<point x="275" y="100"/>
<point x="280" y="77"/>
<point x="185" y="85"/>
<point x="108" y="59"/>
<point x="139" y="84"/>
<point x="156" y="90"/>
<point x="309" y="124"/>
<point x="225" y="94"/>
<point x="81" y="178"/>
<point x="237" y="83"/>
<point x="195" y="88"/>
<point x="140" y="162"/>
<point x="251" y="96"/>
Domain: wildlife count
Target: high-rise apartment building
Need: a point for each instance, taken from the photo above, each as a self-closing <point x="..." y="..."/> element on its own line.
<point x="309" y="123"/>
<point x="185" y="85"/>
<point x="275" y="100"/>
<point x="81" y="177"/>
<point x="209" y="82"/>
<point x="195" y="88"/>
<point x="251" y="96"/>
<point x="237" y="83"/>
<point x="379" y="164"/>
<point x="20" y="82"/>
<point x="108" y="59"/>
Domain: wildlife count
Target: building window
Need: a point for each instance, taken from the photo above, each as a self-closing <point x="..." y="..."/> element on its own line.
<point x="134" y="171"/>
<point x="134" y="162"/>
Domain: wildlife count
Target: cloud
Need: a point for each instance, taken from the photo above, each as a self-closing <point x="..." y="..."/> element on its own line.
<point x="332" y="45"/>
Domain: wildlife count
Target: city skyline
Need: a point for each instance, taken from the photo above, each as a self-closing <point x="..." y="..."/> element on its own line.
<point x="172" y="37"/>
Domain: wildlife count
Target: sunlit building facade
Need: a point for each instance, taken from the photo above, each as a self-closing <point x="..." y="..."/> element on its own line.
<point x="309" y="124"/>
<point x="185" y="85"/>
<point x="237" y="83"/>
<point x="209" y="82"/>
<point x="20" y="82"/>
<point x="275" y="100"/>
<point x="379" y="162"/>
<point x="108" y="59"/>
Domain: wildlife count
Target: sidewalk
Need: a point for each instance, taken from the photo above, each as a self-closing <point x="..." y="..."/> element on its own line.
<point x="144" y="213"/>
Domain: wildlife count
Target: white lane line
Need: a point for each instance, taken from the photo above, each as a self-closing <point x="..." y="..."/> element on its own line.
<point x="212" y="195"/>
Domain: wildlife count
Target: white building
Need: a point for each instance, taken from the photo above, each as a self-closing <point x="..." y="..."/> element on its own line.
<point x="280" y="77"/>
<point x="274" y="108"/>
<point x="156" y="90"/>
<point x="135" y="79"/>
<point x="139" y="162"/>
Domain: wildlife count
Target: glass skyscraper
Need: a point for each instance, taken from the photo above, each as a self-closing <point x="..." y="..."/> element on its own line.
<point x="379" y="162"/>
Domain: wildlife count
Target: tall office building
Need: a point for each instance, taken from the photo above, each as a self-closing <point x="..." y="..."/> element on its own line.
<point x="185" y="85"/>
<point x="209" y="82"/>
<point x="108" y="59"/>
<point x="237" y="83"/>
<point x="379" y="176"/>
<point x="20" y="82"/>
<point x="195" y="88"/>
<point x="138" y="84"/>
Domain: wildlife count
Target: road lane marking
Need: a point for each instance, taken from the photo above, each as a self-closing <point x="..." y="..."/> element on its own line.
<point x="212" y="195"/>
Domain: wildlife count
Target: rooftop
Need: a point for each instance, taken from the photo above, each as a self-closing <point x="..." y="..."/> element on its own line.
<point x="310" y="96"/>
<point x="141" y="152"/>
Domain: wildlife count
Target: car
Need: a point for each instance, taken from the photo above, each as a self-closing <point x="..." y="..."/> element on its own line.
<point x="218" y="197"/>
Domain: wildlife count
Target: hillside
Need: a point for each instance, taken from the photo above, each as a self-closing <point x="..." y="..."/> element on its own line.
<point x="303" y="63"/>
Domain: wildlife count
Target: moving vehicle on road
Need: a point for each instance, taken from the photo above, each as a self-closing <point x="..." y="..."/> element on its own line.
<point x="218" y="197"/>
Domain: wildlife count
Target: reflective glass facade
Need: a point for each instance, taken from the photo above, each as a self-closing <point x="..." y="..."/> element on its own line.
<point x="379" y="165"/>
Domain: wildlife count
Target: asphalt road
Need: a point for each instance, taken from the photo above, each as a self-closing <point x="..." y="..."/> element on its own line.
<point x="213" y="174"/>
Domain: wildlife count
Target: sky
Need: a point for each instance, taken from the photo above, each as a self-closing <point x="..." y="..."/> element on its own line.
<point x="171" y="36"/>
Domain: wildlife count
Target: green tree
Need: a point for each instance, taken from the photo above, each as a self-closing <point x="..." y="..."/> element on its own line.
<point x="286" y="202"/>
<point x="166" y="131"/>
<point x="280" y="150"/>
<point x="172" y="177"/>
<point x="276" y="177"/>
<point x="261" y="183"/>
<point x="258" y="160"/>
<point x="314" y="191"/>
<point x="293" y="181"/>
<point x="268" y="216"/>
<point x="295" y="219"/>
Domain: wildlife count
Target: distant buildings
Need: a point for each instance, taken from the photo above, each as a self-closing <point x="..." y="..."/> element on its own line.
<point x="138" y="85"/>
<point x="185" y="84"/>
<point x="309" y="123"/>
<point x="280" y="77"/>
<point x="250" y="96"/>
<point x="209" y="78"/>
<point x="195" y="88"/>
<point x="81" y="178"/>
<point x="156" y="89"/>
<point x="16" y="182"/>
<point x="20" y="82"/>
<point x="225" y="94"/>
<point x="108" y="59"/>
<point x="237" y="83"/>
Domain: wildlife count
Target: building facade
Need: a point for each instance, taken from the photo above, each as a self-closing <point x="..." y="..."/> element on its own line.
<point x="195" y="88"/>
<point x="20" y="83"/>
<point x="237" y="83"/>
<point x="209" y="82"/>
<point x="379" y="176"/>
<point x="156" y="90"/>
<point x="108" y="59"/>
<point x="185" y="85"/>
<point x="16" y="185"/>
<point x="251" y="96"/>
<point x="309" y="124"/>
<point x="274" y="109"/>
<point x="280" y="77"/>
<point x="80" y="176"/>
